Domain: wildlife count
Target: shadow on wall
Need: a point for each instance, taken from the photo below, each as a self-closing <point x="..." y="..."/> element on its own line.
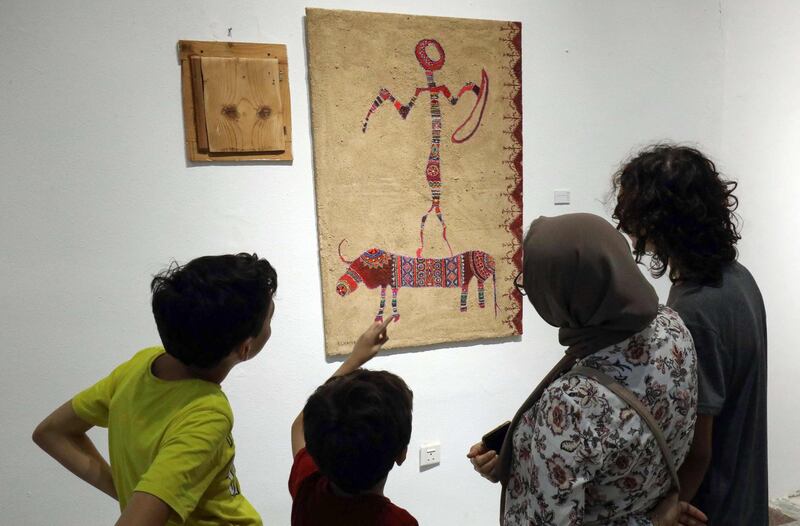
<point x="785" y="511"/>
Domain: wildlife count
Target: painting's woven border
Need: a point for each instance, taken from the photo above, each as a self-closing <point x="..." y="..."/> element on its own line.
<point x="513" y="214"/>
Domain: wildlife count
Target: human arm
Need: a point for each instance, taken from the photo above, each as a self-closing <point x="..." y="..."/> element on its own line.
<point x="298" y="435"/>
<point x="62" y="435"/>
<point x="484" y="460"/>
<point x="384" y="95"/>
<point x="367" y="346"/>
<point x="695" y="466"/>
<point x="144" y="509"/>
<point x="671" y="512"/>
<point x="468" y="87"/>
<point x="714" y="370"/>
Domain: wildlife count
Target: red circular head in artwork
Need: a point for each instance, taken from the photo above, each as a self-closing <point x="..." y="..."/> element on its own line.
<point x="427" y="63"/>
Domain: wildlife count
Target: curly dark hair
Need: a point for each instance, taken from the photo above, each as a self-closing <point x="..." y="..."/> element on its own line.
<point x="675" y="205"/>
<point x="356" y="426"/>
<point x="206" y="307"/>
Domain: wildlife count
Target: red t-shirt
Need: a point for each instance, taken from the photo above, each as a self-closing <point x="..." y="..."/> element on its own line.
<point x="315" y="504"/>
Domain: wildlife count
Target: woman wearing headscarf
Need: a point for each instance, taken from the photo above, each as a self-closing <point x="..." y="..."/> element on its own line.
<point x="576" y="452"/>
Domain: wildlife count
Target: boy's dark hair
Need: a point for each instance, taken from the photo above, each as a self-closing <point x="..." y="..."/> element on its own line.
<point x="356" y="425"/>
<point x="673" y="199"/>
<point x="206" y="307"/>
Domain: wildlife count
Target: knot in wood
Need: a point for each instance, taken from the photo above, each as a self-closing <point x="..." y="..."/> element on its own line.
<point x="264" y="112"/>
<point x="230" y="111"/>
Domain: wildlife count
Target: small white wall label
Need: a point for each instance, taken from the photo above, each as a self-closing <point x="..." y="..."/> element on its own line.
<point x="561" y="197"/>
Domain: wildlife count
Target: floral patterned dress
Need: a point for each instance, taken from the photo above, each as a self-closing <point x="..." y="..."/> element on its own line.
<point x="583" y="456"/>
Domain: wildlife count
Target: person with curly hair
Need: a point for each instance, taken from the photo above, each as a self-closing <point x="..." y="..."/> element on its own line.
<point x="676" y="207"/>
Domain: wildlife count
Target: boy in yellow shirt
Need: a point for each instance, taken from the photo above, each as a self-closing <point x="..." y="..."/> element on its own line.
<point x="169" y="423"/>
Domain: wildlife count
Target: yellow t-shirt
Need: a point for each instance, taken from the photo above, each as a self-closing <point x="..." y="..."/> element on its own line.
<point x="171" y="439"/>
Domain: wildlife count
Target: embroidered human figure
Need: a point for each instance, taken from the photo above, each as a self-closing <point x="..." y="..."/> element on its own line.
<point x="433" y="171"/>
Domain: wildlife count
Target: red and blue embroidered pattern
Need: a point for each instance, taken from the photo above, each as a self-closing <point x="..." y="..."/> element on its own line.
<point x="428" y="272"/>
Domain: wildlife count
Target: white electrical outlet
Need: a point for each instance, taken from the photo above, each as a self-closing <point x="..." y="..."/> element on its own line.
<point x="430" y="454"/>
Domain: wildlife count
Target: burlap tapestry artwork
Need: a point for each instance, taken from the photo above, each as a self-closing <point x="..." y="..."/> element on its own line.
<point x="417" y="130"/>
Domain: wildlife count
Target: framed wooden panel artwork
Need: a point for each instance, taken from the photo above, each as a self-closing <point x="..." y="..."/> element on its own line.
<point x="236" y="103"/>
<point x="417" y="129"/>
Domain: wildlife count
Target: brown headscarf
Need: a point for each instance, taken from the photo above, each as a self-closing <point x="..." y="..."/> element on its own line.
<point x="579" y="275"/>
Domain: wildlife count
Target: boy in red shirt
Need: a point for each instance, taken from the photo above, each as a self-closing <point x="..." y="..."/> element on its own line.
<point x="352" y="431"/>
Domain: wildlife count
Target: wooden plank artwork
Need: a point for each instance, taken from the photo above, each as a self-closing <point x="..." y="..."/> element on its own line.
<point x="197" y="99"/>
<point x="243" y="110"/>
<point x="259" y="126"/>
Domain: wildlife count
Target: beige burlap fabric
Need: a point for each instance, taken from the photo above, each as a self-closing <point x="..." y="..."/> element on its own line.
<point x="373" y="186"/>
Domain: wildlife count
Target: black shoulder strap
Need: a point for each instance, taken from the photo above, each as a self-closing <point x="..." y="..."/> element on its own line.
<point x="632" y="400"/>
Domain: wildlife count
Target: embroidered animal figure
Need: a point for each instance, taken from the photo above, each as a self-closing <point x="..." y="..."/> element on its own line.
<point x="433" y="172"/>
<point x="378" y="268"/>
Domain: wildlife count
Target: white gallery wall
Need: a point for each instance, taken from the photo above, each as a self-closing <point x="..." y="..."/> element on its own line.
<point x="96" y="196"/>
<point x="760" y="145"/>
